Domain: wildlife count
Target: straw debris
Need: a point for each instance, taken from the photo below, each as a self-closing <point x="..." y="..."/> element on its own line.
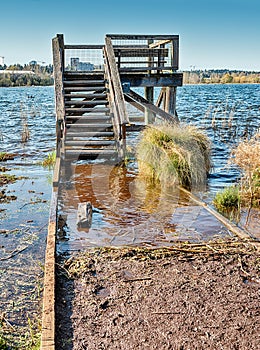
<point x="172" y="153"/>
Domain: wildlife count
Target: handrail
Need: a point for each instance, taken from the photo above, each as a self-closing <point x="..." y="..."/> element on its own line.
<point x="142" y="104"/>
<point x="115" y="89"/>
<point x="58" y="65"/>
<point x="83" y="47"/>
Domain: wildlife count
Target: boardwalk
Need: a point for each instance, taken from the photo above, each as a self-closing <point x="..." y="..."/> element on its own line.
<point x="93" y="85"/>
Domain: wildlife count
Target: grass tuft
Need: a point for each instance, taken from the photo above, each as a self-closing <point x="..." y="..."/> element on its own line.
<point x="247" y="157"/>
<point x="227" y="202"/>
<point x="4" y="156"/>
<point x="172" y="153"/>
<point x="49" y="161"/>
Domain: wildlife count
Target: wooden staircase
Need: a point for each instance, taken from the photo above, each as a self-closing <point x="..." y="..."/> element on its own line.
<point x="88" y="125"/>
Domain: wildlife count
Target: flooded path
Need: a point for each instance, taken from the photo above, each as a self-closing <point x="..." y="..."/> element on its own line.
<point x="126" y="209"/>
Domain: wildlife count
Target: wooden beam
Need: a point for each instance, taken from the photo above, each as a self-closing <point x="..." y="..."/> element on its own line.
<point x="146" y="68"/>
<point x="83" y="47"/>
<point x="141" y="52"/>
<point x="142" y="104"/>
<point x="142" y="80"/>
<point x="141" y="37"/>
<point x="161" y="98"/>
<point x="239" y="232"/>
<point x="115" y="80"/>
<point x="48" y="310"/>
<point x="159" y="43"/>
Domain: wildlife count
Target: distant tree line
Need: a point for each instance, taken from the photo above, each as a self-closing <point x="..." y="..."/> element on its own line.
<point x="40" y="76"/>
<point x="220" y="76"/>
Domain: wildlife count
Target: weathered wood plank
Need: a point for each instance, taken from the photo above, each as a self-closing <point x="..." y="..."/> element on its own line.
<point x="142" y="52"/>
<point x="239" y="232"/>
<point x="87" y="82"/>
<point x="143" y="104"/>
<point x="83" y="47"/>
<point x="147" y="68"/>
<point x="87" y="134"/>
<point x="115" y="79"/>
<point x="58" y="52"/>
<point x="86" y="110"/>
<point x="136" y="80"/>
<point x="56" y="172"/>
<point x="48" y="310"/>
<point x="84" y="88"/>
<point x="142" y="37"/>
<point x="87" y="143"/>
<point x="86" y="103"/>
<point x="88" y="96"/>
<point x="160" y="42"/>
<point x="89" y="126"/>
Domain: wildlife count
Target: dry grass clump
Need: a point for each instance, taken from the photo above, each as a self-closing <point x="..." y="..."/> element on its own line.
<point x="174" y="153"/>
<point x="247" y="157"/>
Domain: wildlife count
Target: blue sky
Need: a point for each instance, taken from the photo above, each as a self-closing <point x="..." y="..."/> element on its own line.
<point x="213" y="34"/>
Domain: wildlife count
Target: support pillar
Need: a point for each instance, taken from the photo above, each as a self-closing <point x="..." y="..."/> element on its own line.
<point x="149" y="116"/>
<point x="170" y="103"/>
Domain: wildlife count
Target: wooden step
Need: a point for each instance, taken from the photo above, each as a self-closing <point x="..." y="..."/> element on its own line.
<point x="88" y="118"/>
<point x="84" y="88"/>
<point x="86" y="110"/>
<point x="87" y="134"/>
<point x="88" y="96"/>
<point x="81" y="126"/>
<point x="83" y="82"/>
<point x="88" y="143"/>
<point x="135" y="119"/>
<point x="86" y="103"/>
<point x="80" y="74"/>
<point x="91" y="153"/>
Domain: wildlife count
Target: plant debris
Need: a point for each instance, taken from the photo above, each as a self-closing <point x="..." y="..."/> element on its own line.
<point x="187" y="296"/>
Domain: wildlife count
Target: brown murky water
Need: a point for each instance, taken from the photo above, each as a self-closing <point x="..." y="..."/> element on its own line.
<point x="127" y="210"/>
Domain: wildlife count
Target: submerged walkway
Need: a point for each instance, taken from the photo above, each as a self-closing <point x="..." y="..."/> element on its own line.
<point x="93" y="83"/>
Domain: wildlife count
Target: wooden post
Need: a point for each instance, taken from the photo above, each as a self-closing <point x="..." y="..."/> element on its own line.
<point x="170" y="101"/>
<point x="58" y="64"/>
<point x="149" y="117"/>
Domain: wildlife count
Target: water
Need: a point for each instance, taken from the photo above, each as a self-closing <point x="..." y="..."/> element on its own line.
<point x="229" y="114"/>
<point x="128" y="211"/>
<point x="226" y="112"/>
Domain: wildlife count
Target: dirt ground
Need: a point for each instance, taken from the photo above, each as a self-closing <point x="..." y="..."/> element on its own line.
<point x="185" y="297"/>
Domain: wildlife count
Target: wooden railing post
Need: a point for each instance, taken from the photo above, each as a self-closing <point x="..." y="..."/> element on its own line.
<point x="120" y="116"/>
<point x="58" y="67"/>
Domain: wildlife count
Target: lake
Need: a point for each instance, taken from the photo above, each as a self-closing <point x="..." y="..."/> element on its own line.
<point x="227" y="113"/>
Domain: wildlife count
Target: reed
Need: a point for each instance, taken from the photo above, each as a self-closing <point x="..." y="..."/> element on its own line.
<point x="49" y="160"/>
<point x="174" y="153"/>
<point x="247" y="157"/>
<point x="25" y="133"/>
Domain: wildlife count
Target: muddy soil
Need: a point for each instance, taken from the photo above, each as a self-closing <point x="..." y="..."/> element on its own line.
<point x="184" y="297"/>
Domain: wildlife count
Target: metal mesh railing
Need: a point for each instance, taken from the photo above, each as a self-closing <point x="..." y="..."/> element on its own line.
<point x="146" y="53"/>
<point x="83" y="59"/>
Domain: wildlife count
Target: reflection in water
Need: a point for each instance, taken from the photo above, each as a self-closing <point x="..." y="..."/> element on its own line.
<point x="127" y="210"/>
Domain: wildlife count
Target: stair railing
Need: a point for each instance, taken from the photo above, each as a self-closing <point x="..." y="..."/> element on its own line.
<point x="116" y="97"/>
<point x="58" y="65"/>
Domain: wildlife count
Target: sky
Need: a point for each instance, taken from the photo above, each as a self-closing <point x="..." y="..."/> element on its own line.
<point x="222" y="34"/>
